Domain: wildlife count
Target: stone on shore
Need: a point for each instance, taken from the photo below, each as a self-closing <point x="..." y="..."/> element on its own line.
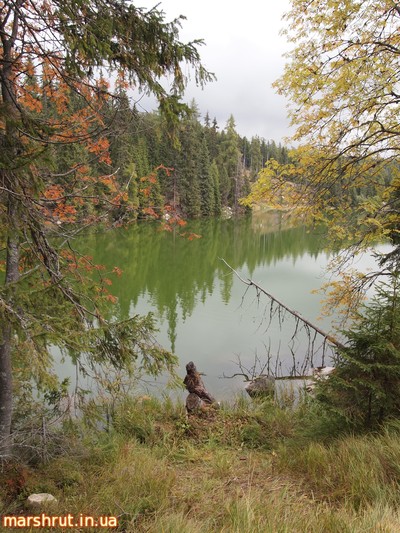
<point x="261" y="387"/>
<point x="42" y="499"/>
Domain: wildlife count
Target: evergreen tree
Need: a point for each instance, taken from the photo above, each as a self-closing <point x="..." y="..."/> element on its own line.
<point x="256" y="159"/>
<point x="121" y="139"/>
<point x="364" y="390"/>
<point x="229" y="160"/>
<point x="206" y="181"/>
<point x="212" y="138"/>
<point x="246" y="155"/>
<point x="214" y="172"/>
<point x="141" y="158"/>
<point x="188" y="167"/>
<point x="207" y="121"/>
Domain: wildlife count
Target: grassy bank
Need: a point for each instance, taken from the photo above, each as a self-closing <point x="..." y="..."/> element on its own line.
<point x="248" y="468"/>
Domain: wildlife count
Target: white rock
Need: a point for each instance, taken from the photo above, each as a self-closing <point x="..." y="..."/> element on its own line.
<point x="40" y="500"/>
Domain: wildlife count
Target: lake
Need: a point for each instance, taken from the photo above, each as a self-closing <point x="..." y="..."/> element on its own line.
<point x="203" y="311"/>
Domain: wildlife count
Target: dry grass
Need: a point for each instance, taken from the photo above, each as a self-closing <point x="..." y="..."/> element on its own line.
<point x="216" y="473"/>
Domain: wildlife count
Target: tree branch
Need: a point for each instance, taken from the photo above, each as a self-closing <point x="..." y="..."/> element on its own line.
<point x="251" y="283"/>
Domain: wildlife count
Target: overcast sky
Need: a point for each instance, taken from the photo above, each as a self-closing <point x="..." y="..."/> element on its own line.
<point x="244" y="50"/>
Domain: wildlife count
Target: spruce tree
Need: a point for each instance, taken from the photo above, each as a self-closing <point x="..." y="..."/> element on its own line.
<point x="256" y="163"/>
<point x="214" y="172"/>
<point x="206" y="181"/>
<point x="189" y="165"/>
<point x="229" y="162"/>
<point x="364" y="389"/>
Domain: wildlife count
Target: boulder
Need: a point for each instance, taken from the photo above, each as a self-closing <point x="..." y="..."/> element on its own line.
<point x="261" y="387"/>
<point x="194" y="403"/>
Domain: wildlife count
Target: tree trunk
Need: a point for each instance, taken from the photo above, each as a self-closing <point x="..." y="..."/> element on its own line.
<point x="5" y="391"/>
<point x="12" y="275"/>
<point x="9" y="31"/>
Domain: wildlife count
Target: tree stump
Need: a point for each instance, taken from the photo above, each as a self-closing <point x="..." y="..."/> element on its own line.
<point x="198" y="396"/>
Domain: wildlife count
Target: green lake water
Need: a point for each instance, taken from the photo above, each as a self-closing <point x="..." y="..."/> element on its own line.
<point x="203" y="311"/>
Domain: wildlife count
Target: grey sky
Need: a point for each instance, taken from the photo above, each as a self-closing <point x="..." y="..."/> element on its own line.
<point x="244" y="49"/>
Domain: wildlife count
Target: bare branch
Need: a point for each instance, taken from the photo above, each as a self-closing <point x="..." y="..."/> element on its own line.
<point x="297" y="315"/>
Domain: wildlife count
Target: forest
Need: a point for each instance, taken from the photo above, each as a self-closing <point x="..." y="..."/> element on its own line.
<point x="76" y="153"/>
<point x="194" y="170"/>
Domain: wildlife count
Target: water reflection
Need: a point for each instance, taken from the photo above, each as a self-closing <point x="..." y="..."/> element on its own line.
<point x="177" y="273"/>
<point x="197" y="300"/>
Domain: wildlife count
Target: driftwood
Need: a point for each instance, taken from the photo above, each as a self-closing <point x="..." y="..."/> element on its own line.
<point x="264" y="385"/>
<point x="319" y="374"/>
<point x="198" y="396"/>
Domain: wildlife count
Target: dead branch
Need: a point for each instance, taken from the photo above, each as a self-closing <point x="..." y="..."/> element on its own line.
<point x="307" y="323"/>
<point x="246" y="377"/>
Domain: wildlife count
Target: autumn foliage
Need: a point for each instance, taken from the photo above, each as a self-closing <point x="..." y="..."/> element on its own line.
<point x="58" y="179"/>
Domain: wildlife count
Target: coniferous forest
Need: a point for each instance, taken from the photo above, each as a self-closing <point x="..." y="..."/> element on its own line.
<point x="201" y="167"/>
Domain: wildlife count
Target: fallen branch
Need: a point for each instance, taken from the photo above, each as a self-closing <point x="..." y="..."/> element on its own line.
<point x="251" y="283"/>
<point x="307" y="376"/>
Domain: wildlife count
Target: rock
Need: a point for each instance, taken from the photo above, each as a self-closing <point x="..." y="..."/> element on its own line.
<point x="226" y="212"/>
<point x="43" y="499"/>
<point x="194" y="403"/>
<point x="261" y="387"/>
<point x="318" y="373"/>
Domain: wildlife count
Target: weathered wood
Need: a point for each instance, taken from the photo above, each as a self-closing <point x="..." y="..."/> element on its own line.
<point x="194" y="384"/>
<point x="198" y="397"/>
<point x="194" y="403"/>
<point x="319" y="373"/>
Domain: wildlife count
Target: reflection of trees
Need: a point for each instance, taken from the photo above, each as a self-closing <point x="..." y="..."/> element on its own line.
<point x="177" y="273"/>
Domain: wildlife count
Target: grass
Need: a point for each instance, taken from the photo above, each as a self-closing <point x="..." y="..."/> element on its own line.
<point x="248" y="468"/>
